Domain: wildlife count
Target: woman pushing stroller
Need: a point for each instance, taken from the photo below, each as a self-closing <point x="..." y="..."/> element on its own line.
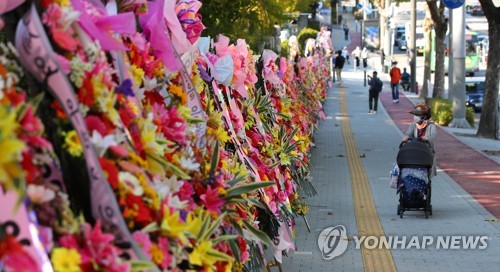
<point x="422" y="129"/>
<point x="416" y="163"/>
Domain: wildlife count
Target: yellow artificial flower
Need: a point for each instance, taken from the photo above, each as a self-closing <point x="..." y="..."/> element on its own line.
<point x="193" y="223"/>
<point x="72" y="144"/>
<point x="177" y="91"/>
<point x="222" y="135"/>
<point x="66" y="260"/>
<point x="63" y="3"/>
<point x="9" y="158"/>
<point x="100" y="88"/>
<point x="156" y="254"/>
<point x="199" y="254"/>
<point x="172" y="225"/>
<point x="138" y="74"/>
<point x="8" y="125"/>
<point x="106" y="103"/>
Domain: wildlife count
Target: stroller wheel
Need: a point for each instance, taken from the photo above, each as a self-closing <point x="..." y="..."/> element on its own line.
<point x="426" y="215"/>
<point x="430" y="209"/>
<point x="399" y="209"/>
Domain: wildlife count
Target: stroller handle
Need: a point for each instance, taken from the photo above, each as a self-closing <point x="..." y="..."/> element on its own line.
<point x="410" y="139"/>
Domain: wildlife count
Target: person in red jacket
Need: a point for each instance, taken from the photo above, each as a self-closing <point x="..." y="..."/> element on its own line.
<point x="395" y="74"/>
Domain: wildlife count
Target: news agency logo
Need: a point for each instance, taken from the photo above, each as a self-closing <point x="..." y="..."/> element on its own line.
<point x="333" y="242"/>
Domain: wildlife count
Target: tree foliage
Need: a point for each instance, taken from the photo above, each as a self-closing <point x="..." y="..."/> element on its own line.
<point x="251" y="20"/>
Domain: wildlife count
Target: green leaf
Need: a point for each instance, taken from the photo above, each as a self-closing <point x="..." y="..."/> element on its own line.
<point x="224" y="238"/>
<point x="214" y="226"/>
<point x="235" y="249"/>
<point x="246" y="188"/>
<point x="35" y="102"/>
<point x="171" y="167"/>
<point x="237" y="179"/>
<point x="204" y="226"/>
<point x="219" y="255"/>
<point x="255" y="202"/>
<point x="258" y="233"/>
<point x="151" y="227"/>
<point x="214" y="161"/>
<point x="141" y="265"/>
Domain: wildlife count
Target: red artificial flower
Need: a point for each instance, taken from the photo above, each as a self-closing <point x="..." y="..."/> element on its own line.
<point x="15" y="97"/>
<point x="111" y="172"/>
<point x="60" y="114"/>
<point x="211" y="200"/>
<point x="153" y="97"/>
<point x="86" y="93"/>
<point x="33" y="173"/>
<point x="95" y="123"/>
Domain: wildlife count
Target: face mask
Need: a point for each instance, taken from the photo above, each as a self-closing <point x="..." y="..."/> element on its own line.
<point x="416" y="118"/>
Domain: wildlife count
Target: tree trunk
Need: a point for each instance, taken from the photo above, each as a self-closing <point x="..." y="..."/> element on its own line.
<point x="440" y="27"/>
<point x="488" y="124"/>
<point x="427" y="26"/>
<point x="440" y="49"/>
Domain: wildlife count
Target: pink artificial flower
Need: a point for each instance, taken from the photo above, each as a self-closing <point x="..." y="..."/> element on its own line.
<point x="138" y="40"/>
<point x="64" y="40"/>
<point x="143" y="240"/>
<point x="222" y="45"/>
<point x="269" y="71"/>
<point x="20" y="262"/>
<point x="30" y="123"/>
<point x="118" y="151"/>
<point x="167" y="257"/>
<point x="52" y="16"/>
<point x="171" y="124"/>
<point x="211" y="200"/>
<point x="100" y="249"/>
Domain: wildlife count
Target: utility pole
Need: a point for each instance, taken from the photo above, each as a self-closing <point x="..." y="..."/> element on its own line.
<point x="387" y="43"/>
<point x="333" y="6"/>
<point x="457" y="94"/>
<point x="413" y="47"/>
<point x="450" y="52"/>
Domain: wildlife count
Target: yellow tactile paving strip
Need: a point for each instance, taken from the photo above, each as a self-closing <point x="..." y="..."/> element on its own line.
<point x="377" y="260"/>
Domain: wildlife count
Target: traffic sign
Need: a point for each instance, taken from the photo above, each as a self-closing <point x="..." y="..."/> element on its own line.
<point x="453" y="4"/>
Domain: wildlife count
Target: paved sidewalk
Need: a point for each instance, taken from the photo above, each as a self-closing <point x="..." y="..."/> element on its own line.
<point x="456" y="212"/>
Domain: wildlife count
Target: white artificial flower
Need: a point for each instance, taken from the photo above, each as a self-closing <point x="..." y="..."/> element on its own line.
<point x="131" y="182"/>
<point x="39" y="194"/>
<point x="175" y="202"/>
<point x="165" y="187"/>
<point x="102" y="144"/>
<point x="189" y="164"/>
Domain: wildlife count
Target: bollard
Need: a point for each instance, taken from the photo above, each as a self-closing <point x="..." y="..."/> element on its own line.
<point x="365" y="76"/>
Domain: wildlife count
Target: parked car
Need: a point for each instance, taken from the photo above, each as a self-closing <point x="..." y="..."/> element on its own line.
<point x="402" y="43"/>
<point x="474" y="92"/>
<point x="477" y="10"/>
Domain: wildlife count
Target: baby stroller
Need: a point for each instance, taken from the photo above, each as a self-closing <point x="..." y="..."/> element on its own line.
<point x="415" y="159"/>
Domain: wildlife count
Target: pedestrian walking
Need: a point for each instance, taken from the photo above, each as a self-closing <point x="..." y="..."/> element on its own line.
<point x="395" y="74"/>
<point x="375" y="88"/>
<point x="356" y="54"/>
<point x="364" y="56"/>
<point x="339" y="64"/>
<point x="345" y="54"/>
<point x="346" y="32"/>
